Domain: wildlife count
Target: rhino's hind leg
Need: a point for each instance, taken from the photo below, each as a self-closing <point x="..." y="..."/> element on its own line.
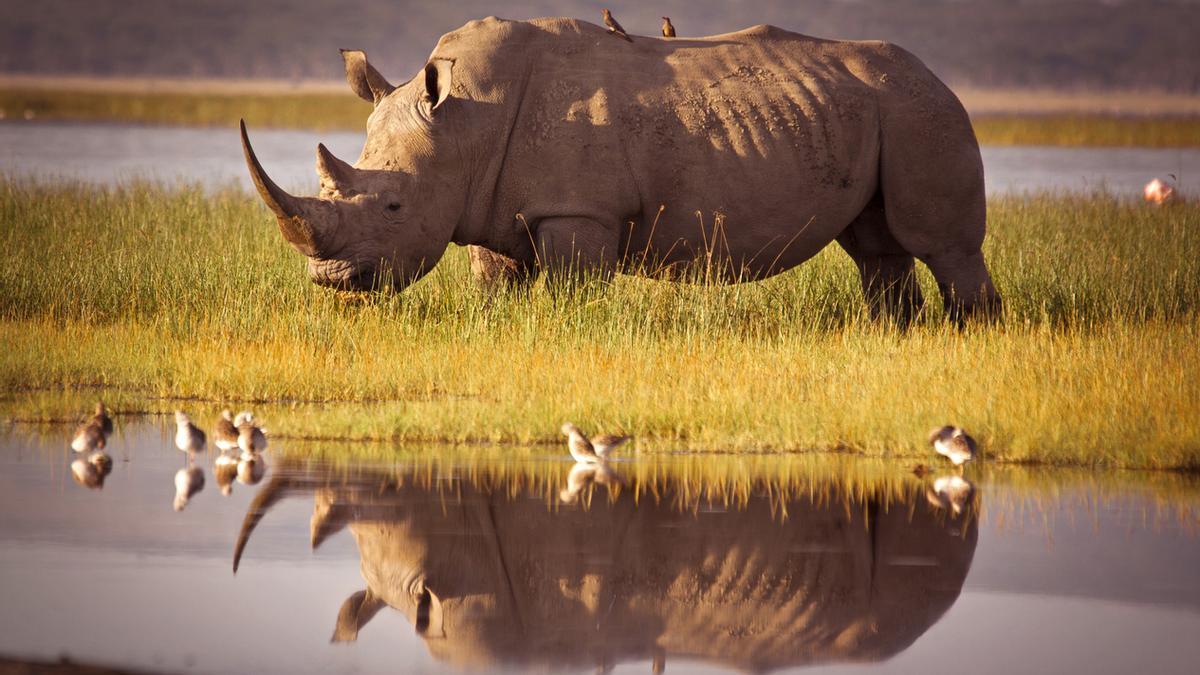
<point x="966" y="287"/>
<point x="493" y="271"/>
<point x="931" y="176"/>
<point x="888" y="271"/>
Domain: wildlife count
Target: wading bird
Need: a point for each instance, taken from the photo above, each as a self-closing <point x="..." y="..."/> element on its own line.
<point x="93" y="434"/>
<point x="250" y="437"/>
<point x="579" y="445"/>
<point x="1159" y="191"/>
<point x="88" y="437"/>
<point x="225" y="434"/>
<point x="953" y="443"/>
<point x="188" y="436"/>
<point x="101" y="417"/>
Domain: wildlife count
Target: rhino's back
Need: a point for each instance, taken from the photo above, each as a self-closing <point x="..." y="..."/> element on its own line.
<point x="770" y="129"/>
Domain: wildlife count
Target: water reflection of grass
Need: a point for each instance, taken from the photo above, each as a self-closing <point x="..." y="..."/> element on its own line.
<point x="1014" y="498"/>
<point x="336" y="110"/>
<point x="146" y="293"/>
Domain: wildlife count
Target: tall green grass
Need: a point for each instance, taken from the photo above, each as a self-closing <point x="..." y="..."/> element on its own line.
<point x="153" y="295"/>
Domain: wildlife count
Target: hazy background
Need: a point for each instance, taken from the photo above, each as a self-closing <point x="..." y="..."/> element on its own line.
<point x="1083" y="44"/>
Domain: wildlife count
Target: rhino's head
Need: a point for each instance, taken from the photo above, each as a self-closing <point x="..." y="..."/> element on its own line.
<point x="388" y="220"/>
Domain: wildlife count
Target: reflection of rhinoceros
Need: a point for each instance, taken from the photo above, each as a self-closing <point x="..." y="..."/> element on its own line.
<point x="554" y="145"/>
<point x="492" y="578"/>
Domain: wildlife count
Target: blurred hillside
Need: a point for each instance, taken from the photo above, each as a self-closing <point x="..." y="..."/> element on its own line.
<point x="1084" y="44"/>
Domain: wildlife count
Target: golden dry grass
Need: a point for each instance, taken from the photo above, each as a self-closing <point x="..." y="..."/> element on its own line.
<point x="187" y="295"/>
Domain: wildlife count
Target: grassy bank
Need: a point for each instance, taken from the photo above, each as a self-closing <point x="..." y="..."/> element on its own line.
<point x="301" y="110"/>
<point x="1077" y="129"/>
<point x="324" y="109"/>
<point x="147" y="296"/>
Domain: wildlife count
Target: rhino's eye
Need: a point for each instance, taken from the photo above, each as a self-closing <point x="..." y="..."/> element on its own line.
<point x="394" y="206"/>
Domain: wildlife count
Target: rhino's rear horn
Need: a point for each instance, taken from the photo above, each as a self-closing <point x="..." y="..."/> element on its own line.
<point x="334" y="173"/>
<point x="296" y="215"/>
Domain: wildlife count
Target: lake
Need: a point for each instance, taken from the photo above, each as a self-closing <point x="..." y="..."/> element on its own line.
<point x="439" y="560"/>
<point x="111" y="153"/>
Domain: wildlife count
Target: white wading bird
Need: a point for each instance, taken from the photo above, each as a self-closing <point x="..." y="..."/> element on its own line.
<point x="188" y="436"/>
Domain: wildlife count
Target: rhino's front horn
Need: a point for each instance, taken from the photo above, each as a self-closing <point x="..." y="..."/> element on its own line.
<point x="298" y="216"/>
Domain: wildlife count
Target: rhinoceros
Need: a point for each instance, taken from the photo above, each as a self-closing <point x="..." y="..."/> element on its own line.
<point x="492" y="575"/>
<point x="550" y="145"/>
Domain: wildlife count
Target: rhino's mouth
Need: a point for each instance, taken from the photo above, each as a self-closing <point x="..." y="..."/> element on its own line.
<point x="343" y="276"/>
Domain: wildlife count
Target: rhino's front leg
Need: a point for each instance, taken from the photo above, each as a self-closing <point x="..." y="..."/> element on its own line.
<point x="493" y="271"/>
<point x="571" y="250"/>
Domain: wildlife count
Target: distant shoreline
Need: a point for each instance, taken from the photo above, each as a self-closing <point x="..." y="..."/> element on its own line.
<point x="169" y="85"/>
<point x="978" y="101"/>
<point x="1001" y="117"/>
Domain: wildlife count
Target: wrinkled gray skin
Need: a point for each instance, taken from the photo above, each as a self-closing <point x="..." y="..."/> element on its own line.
<point x="493" y="577"/>
<point x="560" y="148"/>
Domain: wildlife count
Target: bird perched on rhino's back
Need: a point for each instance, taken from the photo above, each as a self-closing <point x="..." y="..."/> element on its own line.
<point x="667" y="29"/>
<point x="614" y="27"/>
<point x="953" y="443"/>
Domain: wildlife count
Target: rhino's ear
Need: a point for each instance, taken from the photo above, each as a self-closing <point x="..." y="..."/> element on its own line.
<point x="363" y="78"/>
<point x="438" y="78"/>
<point x="430" y="622"/>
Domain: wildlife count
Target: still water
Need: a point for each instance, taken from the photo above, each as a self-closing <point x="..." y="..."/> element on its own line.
<point x="111" y="153"/>
<point x="693" y="564"/>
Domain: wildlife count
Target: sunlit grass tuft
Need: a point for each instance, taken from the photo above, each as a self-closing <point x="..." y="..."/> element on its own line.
<point x="152" y="295"/>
